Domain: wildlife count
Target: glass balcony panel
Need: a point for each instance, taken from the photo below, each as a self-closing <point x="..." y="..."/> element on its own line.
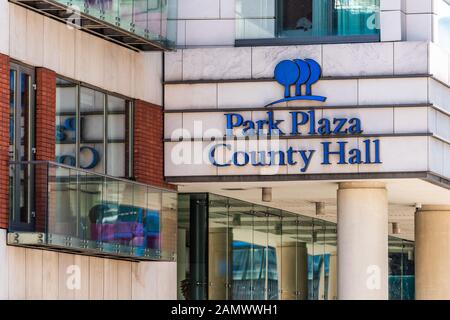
<point x="140" y="18"/>
<point x="152" y="220"/>
<point x="100" y="214"/>
<point x="125" y="14"/>
<point x="168" y="225"/>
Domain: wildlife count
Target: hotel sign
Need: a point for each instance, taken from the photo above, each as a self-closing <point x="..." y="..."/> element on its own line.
<point x="300" y="123"/>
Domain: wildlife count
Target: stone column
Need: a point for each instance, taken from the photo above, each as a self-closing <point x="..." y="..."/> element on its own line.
<point x="362" y="209"/>
<point x="432" y="263"/>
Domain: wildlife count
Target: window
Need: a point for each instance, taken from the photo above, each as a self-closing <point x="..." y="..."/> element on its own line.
<point x="307" y="20"/>
<point x="92" y="129"/>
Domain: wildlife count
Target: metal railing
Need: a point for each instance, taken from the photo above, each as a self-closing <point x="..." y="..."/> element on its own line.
<point x="77" y="210"/>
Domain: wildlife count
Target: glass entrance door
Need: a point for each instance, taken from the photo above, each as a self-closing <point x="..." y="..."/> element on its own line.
<point x="21" y="146"/>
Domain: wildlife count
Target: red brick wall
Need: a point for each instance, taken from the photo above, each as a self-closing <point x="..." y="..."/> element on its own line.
<point x="4" y="140"/>
<point x="148" y="155"/>
<point x="45" y="114"/>
<point x="45" y="137"/>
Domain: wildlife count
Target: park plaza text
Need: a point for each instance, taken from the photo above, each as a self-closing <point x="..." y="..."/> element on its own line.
<point x="302" y="123"/>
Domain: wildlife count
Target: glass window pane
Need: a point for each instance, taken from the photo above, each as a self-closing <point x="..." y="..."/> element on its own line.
<point x="330" y="259"/>
<point x="168" y="224"/>
<point x="219" y="250"/>
<point x="117" y="136"/>
<point x="274" y="251"/>
<point x="66" y="122"/>
<point x="92" y="130"/>
<point x="261" y="250"/>
<point x="241" y="223"/>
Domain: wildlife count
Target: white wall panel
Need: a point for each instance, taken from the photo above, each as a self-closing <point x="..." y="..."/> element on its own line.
<point x="419" y="27"/>
<point x="227" y="9"/>
<point x="96" y="278"/>
<point x="82" y="262"/>
<point x="393" y="91"/>
<point x="4" y="290"/>
<point x="65" y="262"/>
<point x="400" y="154"/>
<point x="419" y="6"/>
<point x="439" y="63"/>
<point x="173" y="65"/>
<point x="33" y="274"/>
<point x="210" y="32"/>
<point x="148" y="76"/>
<point x="407" y="120"/>
<point x="406" y="52"/>
<point x="187" y="158"/>
<point x="41" y="274"/>
<point x="392" y="26"/>
<point x="198" y="9"/>
<point x="66" y="42"/>
<point x="4" y="27"/>
<point x="190" y="96"/>
<point x="34" y="37"/>
<point x="439" y="95"/>
<point x="172" y="123"/>
<point x="353" y="59"/>
<point x="111" y="279"/>
<point x="17" y="32"/>
<point x="446" y="160"/>
<point x="50" y="275"/>
<point x="16" y="273"/>
<point x="89" y="58"/>
<point x="124" y="280"/>
<point x="51" y="45"/>
<point x="436" y="156"/>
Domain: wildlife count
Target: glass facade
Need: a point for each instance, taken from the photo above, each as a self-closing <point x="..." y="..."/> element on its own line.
<point x="306" y="20"/>
<point x="230" y="249"/>
<point x="92" y="129"/>
<point x="90" y="212"/>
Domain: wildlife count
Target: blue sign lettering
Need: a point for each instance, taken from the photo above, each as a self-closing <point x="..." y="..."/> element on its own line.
<point x="302" y="123"/>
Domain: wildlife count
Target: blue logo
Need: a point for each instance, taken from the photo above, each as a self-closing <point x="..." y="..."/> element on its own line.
<point x="298" y="72"/>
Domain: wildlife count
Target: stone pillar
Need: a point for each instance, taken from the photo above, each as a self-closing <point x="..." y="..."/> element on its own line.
<point x="292" y="267"/>
<point x="432" y="263"/>
<point x="362" y="210"/>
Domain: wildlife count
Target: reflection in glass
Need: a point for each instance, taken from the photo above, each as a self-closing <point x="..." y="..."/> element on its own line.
<point x="244" y="251"/>
<point x="401" y="269"/>
<point x="96" y="124"/>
